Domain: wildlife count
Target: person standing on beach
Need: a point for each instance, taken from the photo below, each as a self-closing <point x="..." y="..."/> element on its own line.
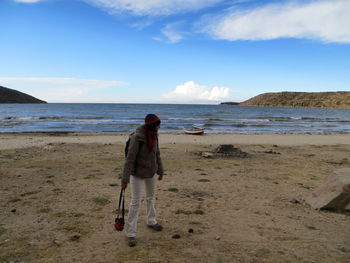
<point x="142" y="163"/>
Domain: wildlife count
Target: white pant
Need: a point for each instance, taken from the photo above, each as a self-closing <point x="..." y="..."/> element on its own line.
<point x="137" y="184"/>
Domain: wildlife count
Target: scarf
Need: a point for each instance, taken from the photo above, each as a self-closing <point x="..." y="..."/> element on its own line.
<point x="151" y="137"/>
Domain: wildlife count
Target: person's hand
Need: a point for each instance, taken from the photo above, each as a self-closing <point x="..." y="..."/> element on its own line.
<point x="124" y="185"/>
<point x="160" y="177"/>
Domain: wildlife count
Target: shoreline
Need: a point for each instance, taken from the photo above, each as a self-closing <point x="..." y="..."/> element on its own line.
<point x="30" y="139"/>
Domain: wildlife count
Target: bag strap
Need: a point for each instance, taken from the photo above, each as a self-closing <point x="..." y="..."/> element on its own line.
<point x="122" y="202"/>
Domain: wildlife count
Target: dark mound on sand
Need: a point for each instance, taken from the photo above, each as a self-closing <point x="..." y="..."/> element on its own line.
<point x="225" y="151"/>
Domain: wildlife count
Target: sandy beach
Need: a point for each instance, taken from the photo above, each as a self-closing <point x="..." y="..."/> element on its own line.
<point x="59" y="196"/>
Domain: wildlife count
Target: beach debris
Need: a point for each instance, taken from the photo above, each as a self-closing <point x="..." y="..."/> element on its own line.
<point x="225" y="151"/>
<point x="200" y="194"/>
<point x="176" y="236"/>
<point x="271" y="152"/>
<point x="333" y="193"/>
<point x="204" y="180"/>
<point x="305" y="186"/>
<point x="75" y="237"/>
<point x="190" y="230"/>
<point x="311" y="227"/>
<point x="13" y="210"/>
<point x="295" y="201"/>
<point x="57" y="242"/>
<point x="343" y="249"/>
<point x="198" y="212"/>
<point x="207" y="154"/>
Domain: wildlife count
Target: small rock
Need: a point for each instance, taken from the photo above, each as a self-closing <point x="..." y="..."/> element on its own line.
<point x="218" y="238"/>
<point x="13" y="210"/>
<point x="57" y="242"/>
<point x="311" y="227"/>
<point x="207" y="154"/>
<point x="343" y="249"/>
<point x="276" y="182"/>
<point x="113" y="185"/>
<point x="295" y="201"/>
<point x="190" y="230"/>
<point x="75" y="237"/>
<point x="176" y="236"/>
<point x="272" y="152"/>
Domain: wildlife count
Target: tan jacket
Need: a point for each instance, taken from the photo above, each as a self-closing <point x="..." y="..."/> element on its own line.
<point x="139" y="161"/>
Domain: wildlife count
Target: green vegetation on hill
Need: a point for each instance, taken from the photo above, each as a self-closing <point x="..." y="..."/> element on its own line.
<point x="339" y="100"/>
<point x="14" y="96"/>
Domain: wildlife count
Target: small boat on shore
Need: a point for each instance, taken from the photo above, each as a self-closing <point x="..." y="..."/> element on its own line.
<point x="193" y="130"/>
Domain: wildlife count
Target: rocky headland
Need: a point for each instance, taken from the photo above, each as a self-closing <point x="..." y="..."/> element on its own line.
<point x="339" y="100"/>
<point x="13" y="96"/>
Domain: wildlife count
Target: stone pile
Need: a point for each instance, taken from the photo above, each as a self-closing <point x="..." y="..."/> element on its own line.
<point x="225" y="151"/>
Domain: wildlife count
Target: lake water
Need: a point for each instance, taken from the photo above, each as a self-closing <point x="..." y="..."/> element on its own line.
<point x="76" y="117"/>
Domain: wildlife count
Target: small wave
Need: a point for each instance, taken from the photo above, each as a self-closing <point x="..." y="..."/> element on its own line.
<point x="312" y="119"/>
<point x="254" y="120"/>
<point x="214" y="125"/>
<point x="239" y="125"/>
<point x="259" y="125"/>
<point x="172" y="128"/>
<point x="19" y="118"/>
<point x="90" y="118"/>
<point x="49" y="118"/>
<point x="31" y="118"/>
<point x="91" y="121"/>
<point x="187" y="119"/>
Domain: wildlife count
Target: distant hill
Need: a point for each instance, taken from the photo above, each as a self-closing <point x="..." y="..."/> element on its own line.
<point x="14" y="96"/>
<point x="339" y="100"/>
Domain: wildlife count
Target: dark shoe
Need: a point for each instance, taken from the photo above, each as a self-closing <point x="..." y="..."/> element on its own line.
<point x="132" y="241"/>
<point x="156" y="227"/>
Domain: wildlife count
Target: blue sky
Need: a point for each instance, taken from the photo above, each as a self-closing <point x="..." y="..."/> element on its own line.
<point x="173" y="51"/>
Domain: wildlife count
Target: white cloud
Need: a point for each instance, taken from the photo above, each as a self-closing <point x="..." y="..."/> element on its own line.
<point x="152" y="7"/>
<point x="61" y="89"/>
<point x="325" y="20"/>
<point x="172" y="33"/>
<point x="140" y="25"/>
<point x="191" y="92"/>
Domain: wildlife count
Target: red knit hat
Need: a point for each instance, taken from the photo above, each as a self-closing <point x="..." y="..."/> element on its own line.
<point x="151" y="118"/>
